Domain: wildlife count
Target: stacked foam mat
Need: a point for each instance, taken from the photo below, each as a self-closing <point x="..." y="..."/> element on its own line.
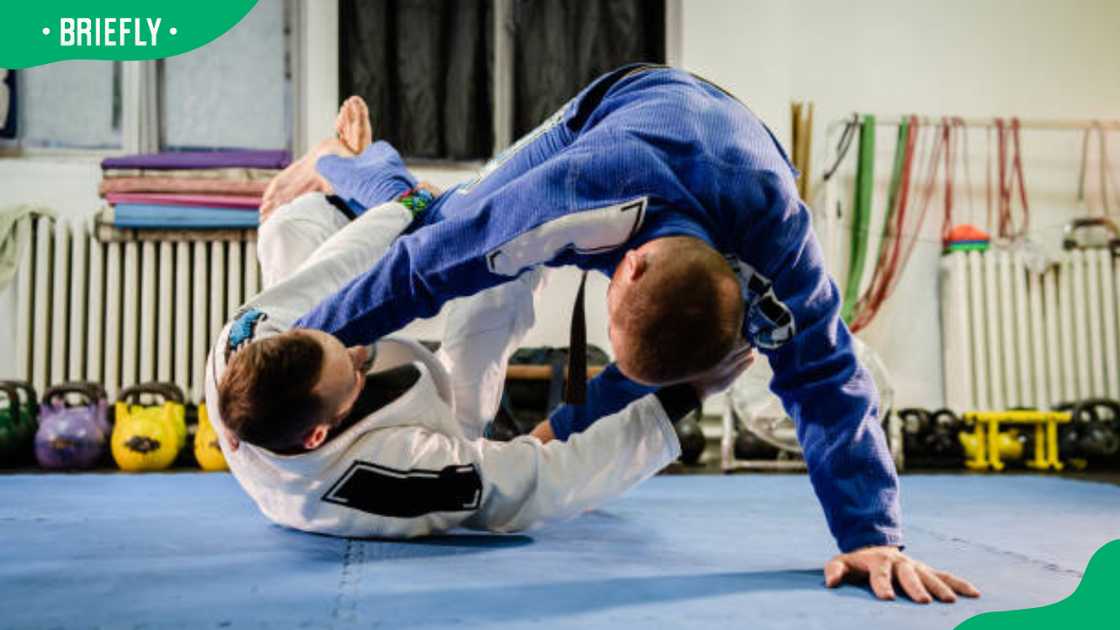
<point x="189" y="190"/>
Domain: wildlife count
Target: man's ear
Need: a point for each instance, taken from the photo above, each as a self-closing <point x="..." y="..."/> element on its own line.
<point x="315" y="438"/>
<point x="634" y="264"/>
<point x="231" y="439"/>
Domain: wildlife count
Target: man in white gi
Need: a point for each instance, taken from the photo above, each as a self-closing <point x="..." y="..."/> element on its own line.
<point x="395" y="449"/>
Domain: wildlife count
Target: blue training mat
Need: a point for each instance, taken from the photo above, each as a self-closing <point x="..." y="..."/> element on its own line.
<point x="191" y="551"/>
<point x="153" y="216"/>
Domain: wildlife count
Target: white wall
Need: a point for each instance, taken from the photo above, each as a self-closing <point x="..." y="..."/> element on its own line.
<point x="1030" y="58"/>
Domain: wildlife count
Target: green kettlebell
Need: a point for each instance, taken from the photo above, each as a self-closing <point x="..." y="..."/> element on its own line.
<point x="18" y="422"/>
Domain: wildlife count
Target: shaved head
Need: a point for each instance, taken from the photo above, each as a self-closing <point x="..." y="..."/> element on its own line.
<point x="676" y="310"/>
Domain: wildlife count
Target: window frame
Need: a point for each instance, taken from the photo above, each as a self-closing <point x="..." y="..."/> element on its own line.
<point x="140" y="106"/>
<point x="321" y="26"/>
<point x="312" y="63"/>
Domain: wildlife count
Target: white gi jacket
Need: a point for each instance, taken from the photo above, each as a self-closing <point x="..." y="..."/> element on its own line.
<point x="419" y="465"/>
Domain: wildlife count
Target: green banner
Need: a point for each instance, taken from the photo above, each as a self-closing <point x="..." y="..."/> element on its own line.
<point x="35" y="33"/>
<point x="1091" y="606"/>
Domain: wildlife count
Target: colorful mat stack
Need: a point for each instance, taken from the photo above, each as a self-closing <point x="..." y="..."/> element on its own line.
<point x="189" y="190"/>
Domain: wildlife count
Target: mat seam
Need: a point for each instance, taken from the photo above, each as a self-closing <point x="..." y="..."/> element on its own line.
<point x="1044" y="564"/>
<point x="344" y="603"/>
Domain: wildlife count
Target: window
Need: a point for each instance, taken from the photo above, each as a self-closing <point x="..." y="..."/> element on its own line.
<point x="422" y="66"/>
<point x="442" y="82"/>
<point x="235" y="92"/>
<point x="559" y="46"/>
<point x="69" y="104"/>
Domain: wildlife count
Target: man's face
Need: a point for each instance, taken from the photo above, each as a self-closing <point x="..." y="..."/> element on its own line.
<point x="342" y="376"/>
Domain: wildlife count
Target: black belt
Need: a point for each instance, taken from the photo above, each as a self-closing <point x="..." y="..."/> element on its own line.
<point x="575" y="389"/>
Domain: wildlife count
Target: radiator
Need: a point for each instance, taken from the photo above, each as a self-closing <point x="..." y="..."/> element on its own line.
<point x="125" y="311"/>
<point x="1013" y="337"/>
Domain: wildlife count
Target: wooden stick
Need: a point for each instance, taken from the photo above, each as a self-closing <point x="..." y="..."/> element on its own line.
<point x="543" y="372"/>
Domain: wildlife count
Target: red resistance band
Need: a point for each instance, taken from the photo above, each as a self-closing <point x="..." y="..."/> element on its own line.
<point x="1009" y="175"/>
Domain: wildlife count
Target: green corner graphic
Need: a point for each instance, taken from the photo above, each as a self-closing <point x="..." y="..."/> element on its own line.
<point x="1092" y="605"/>
<point x="35" y="33"/>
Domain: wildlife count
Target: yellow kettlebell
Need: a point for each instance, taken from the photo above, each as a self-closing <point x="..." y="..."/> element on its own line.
<point x="1010" y="446"/>
<point x="149" y="436"/>
<point x="206" y="448"/>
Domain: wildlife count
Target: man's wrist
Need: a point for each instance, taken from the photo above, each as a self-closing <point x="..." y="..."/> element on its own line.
<point x="416" y="200"/>
<point x="870" y="539"/>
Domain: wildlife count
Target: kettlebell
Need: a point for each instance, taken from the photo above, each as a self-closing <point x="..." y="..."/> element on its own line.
<point x="18" y="423"/>
<point x="149" y="436"/>
<point x="1093" y="431"/>
<point x="941" y="439"/>
<point x="915" y="426"/>
<point x="206" y="449"/>
<point x="72" y="436"/>
<point x="691" y="437"/>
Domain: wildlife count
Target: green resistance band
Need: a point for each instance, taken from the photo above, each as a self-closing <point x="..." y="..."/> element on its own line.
<point x="892" y="192"/>
<point x="865" y="186"/>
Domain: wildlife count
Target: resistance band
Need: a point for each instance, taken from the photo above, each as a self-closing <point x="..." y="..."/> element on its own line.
<point x="1104" y="171"/>
<point x="889" y="245"/>
<point x="842" y="146"/>
<point x="865" y="186"/>
<point x="1009" y="175"/>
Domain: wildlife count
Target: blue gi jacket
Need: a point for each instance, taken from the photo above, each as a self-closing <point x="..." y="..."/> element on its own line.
<point x="639" y="154"/>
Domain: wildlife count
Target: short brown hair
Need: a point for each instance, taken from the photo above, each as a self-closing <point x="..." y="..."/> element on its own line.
<point x="266" y="396"/>
<point x="684" y="317"/>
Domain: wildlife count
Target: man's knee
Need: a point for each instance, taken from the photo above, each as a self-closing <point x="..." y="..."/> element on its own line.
<point x="293" y="232"/>
<point x="310" y="210"/>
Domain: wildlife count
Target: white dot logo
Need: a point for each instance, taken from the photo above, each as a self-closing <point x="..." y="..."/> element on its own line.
<point x="46" y="30"/>
<point x="174" y="31"/>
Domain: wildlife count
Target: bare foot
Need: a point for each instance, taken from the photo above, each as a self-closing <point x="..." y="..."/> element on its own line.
<point x="300" y="177"/>
<point x="355" y="133"/>
<point x="353" y="125"/>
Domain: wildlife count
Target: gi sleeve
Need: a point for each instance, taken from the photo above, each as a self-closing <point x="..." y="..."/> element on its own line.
<point x="376" y="176"/>
<point x="488" y="236"/>
<point x="339" y="259"/>
<point x="511" y="486"/>
<point x="607" y="393"/>
<point x="830" y="396"/>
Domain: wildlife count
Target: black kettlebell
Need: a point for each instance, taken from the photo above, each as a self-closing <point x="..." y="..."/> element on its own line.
<point x="750" y="446"/>
<point x="915" y="424"/>
<point x="941" y="439"/>
<point x="1093" y="430"/>
<point x="691" y="437"/>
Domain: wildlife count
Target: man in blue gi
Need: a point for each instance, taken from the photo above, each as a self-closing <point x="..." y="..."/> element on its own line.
<point x="675" y="190"/>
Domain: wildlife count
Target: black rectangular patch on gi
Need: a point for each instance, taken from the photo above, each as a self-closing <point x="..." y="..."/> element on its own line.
<point x="387" y="491"/>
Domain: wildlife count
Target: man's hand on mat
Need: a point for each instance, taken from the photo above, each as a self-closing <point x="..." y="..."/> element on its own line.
<point x="883" y="565"/>
<point x="725" y="372"/>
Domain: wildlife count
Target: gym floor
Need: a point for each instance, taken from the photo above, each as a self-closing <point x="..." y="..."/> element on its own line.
<point x="190" y="550"/>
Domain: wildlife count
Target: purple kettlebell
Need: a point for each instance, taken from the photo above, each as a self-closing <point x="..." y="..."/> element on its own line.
<point x="73" y="436"/>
